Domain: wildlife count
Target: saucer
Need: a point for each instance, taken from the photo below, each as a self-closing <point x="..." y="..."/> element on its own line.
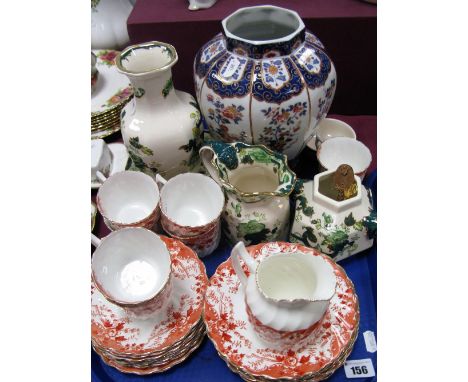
<point x="154" y="369"/>
<point x="239" y="345"/>
<point x="100" y="134"/>
<point x="113" y="89"/>
<point x="112" y="329"/>
<point x="119" y="160"/>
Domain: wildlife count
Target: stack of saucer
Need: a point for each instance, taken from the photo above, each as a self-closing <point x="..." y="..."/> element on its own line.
<point x="112" y="92"/>
<point x="157" y="343"/>
<point x="313" y="358"/>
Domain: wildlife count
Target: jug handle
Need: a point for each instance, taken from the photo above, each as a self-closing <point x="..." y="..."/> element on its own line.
<point x="238" y="251"/>
<point x="206" y="155"/>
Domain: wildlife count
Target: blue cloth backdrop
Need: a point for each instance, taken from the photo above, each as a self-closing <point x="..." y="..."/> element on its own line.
<point x="204" y="365"/>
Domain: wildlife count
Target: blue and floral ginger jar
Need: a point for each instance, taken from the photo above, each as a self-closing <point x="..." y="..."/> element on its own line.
<point x="264" y="80"/>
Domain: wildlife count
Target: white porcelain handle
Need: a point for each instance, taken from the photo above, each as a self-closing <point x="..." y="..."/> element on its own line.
<point x="101" y="176"/>
<point x="238" y="251"/>
<point x="160" y="180"/>
<point x="95" y="240"/>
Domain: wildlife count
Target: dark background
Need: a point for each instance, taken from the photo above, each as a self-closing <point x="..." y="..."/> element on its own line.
<point x="347" y="28"/>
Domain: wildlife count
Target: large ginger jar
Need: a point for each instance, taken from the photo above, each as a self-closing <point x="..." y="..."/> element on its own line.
<point x="264" y="80"/>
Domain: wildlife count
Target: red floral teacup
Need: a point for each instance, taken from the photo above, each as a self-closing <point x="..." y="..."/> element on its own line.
<point x="129" y="199"/>
<point x="191" y="205"/>
<point x="132" y="268"/>
<point x="203" y="244"/>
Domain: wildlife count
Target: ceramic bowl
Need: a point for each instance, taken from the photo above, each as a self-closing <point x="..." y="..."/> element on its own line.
<point x="330" y="128"/>
<point x="343" y="150"/>
<point x="129" y="199"/>
<point x="191" y="204"/>
<point x="203" y="244"/>
<point x="132" y="268"/>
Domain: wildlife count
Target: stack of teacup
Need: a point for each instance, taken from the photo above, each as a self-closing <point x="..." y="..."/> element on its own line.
<point x="191" y="207"/>
<point x="128" y="199"/>
<point x="147" y="301"/>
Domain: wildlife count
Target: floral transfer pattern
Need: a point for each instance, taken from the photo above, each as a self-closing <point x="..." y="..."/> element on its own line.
<point x="120" y="96"/>
<point x="250" y="227"/>
<point x="258" y="76"/>
<point x="283" y="123"/>
<point x="137" y="151"/>
<point x="274" y="73"/>
<point x="113" y="329"/>
<point x="315" y="75"/>
<point x="230" y="156"/>
<point x="324" y="104"/>
<point x="336" y="239"/>
<point x="233" y="336"/>
<point x="167" y="87"/>
<point x="107" y="57"/>
<point x="212" y="51"/>
<point x="276" y="81"/>
<point x="223" y="115"/>
<point x="194" y="144"/>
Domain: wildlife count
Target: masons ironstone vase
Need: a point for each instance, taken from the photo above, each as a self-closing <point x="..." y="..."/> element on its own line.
<point x="264" y="80"/>
<point x="161" y="128"/>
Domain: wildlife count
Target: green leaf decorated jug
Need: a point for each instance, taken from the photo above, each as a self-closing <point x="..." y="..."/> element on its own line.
<point x="257" y="183"/>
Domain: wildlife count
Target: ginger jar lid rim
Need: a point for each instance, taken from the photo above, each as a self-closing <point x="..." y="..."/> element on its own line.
<point x="332" y="203"/>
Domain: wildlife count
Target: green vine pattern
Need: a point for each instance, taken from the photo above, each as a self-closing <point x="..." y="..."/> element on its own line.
<point x="136" y="152"/>
<point x="196" y="142"/>
<point x="328" y="237"/>
<point x="251" y="227"/>
<point x="139" y="92"/>
<point x="167" y="87"/>
<point x="94" y="4"/>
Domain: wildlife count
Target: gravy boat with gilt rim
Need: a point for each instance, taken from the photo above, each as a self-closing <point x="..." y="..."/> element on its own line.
<point x="285" y="294"/>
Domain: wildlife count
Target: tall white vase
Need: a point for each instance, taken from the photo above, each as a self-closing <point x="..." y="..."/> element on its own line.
<point x="161" y="128"/>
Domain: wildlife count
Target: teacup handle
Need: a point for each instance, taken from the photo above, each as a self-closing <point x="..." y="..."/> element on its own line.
<point x="102" y="178"/>
<point x="238" y="251"/>
<point x="95" y="240"/>
<point x="160" y="181"/>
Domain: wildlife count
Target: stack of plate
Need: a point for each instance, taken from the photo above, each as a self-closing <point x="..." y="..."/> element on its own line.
<point x="155" y="344"/>
<point x="313" y="358"/>
<point x="113" y="91"/>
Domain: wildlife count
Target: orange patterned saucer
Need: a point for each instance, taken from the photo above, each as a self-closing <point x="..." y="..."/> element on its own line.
<point x="240" y="346"/>
<point x="129" y="338"/>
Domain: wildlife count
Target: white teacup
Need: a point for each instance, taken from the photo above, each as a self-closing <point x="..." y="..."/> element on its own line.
<point x="129" y="199"/>
<point x="132" y="268"/>
<point x="343" y="150"/>
<point x="191" y="204"/>
<point x="330" y="128"/>
<point x="101" y="158"/>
